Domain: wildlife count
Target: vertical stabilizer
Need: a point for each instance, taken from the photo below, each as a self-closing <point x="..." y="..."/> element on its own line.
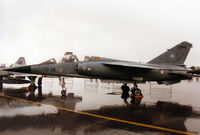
<point x="21" y="61"/>
<point x="175" y="56"/>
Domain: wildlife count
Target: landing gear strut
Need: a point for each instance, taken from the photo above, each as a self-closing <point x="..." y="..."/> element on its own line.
<point x="40" y="81"/>
<point x="1" y="83"/>
<point x="64" y="90"/>
<point x="40" y="87"/>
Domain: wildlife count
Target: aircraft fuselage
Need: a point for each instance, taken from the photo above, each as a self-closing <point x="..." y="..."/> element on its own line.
<point x="95" y="69"/>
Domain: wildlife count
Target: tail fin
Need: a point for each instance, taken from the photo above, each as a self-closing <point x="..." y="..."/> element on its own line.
<point x="174" y="56"/>
<point x="21" y="61"/>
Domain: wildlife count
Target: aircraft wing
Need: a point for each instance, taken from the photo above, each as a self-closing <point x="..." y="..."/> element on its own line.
<point x="175" y="71"/>
<point x="142" y="66"/>
<point x="130" y="65"/>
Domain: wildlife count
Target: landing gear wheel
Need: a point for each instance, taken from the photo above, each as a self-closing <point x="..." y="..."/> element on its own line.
<point x="63" y="92"/>
<point x="137" y="92"/>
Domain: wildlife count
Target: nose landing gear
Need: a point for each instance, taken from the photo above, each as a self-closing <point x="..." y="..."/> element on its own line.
<point x="63" y="92"/>
<point x="62" y="84"/>
<point x="1" y="83"/>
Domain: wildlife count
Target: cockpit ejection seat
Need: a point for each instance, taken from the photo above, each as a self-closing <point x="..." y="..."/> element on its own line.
<point x="69" y="57"/>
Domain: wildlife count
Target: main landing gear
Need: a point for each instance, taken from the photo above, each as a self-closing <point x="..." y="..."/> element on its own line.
<point x="136" y="92"/>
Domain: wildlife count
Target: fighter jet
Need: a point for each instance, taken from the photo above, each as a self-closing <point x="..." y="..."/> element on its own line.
<point x="11" y="77"/>
<point x="167" y="68"/>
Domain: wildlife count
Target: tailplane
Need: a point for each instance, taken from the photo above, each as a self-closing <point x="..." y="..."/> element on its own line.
<point x="174" y="56"/>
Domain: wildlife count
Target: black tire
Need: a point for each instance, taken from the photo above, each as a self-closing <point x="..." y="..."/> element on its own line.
<point x="137" y="92"/>
<point x="63" y="92"/>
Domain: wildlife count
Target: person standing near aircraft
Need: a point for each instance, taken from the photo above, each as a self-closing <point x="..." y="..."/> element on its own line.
<point x="125" y="90"/>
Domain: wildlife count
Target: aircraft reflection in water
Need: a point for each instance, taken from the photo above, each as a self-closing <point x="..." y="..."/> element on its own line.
<point x="164" y="114"/>
<point x="167" y="68"/>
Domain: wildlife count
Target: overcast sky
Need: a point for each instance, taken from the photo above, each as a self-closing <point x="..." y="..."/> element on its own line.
<point x="136" y="30"/>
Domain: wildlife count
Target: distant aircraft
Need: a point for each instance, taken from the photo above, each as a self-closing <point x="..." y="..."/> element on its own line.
<point x="167" y="68"/>
<point x="195" y="70"/>
<point x="11" y="77"/>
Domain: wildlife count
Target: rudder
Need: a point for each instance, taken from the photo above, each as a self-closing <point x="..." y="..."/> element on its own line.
<point x="174" y="56"/>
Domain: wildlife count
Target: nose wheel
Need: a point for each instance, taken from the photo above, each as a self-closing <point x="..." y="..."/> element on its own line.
<point x="63" y="92"/>
<point x="62" y="84"/>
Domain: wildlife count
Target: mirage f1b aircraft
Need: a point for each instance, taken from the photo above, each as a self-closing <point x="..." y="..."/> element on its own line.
<point x="167" y="68"/>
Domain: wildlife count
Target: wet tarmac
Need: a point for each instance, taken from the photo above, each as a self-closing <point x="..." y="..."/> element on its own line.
<point x="99" y="108"/>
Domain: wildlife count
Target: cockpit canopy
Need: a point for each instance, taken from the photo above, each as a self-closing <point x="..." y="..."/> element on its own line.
<point x="68" y="57"/>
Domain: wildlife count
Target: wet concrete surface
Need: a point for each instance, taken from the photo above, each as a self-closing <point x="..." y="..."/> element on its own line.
<point x="99" y="109"/>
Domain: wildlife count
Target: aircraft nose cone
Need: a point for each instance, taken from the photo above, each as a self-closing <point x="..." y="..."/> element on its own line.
<point x="25" y="69"/>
